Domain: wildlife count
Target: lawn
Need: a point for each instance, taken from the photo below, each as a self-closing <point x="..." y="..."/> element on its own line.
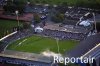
<point x="37" y="44"/>
<point x="68" y="2"/>
<point x="6" y="27"/>
<point x="52" y="2"/>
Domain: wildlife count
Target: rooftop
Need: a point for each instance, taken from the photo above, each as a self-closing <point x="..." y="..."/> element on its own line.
<point x="25" y="56"/>
<point x="67" y="28"/>
<point x="85" y="46"/>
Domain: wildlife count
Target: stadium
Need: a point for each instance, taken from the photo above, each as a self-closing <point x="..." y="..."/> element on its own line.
<point x="33" y="34"/>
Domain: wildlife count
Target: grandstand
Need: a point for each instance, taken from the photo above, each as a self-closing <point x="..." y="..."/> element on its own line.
<point x="15" y="48"/>
<point x="21" y="62"/>
<point x="67" y="28"/>
<point x="26" y="56"/>
<point x="88" y="47"/>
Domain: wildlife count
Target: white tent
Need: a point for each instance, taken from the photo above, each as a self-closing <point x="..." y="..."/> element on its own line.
<point x="38" y="29"/>
<point x="85" y="23"/>
<point x="32" y="26"/>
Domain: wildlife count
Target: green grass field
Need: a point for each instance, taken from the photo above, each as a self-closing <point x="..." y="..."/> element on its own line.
<point x="6" y="27"/>
<point x="50" y="1"/>
<point x="69" y="2"/>
<point x="38" y="44"/>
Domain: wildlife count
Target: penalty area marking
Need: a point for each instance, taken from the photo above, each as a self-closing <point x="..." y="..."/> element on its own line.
<point x="21" y="43"/>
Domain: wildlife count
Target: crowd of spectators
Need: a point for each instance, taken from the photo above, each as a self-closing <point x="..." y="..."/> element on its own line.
<point x="49" y="33"/>
<point x="18" y="35"/>
<point x="21" y="62"/>
<point x="63" y="35"/>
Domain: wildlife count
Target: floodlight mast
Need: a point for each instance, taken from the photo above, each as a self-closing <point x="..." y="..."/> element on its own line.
<point x="80" y="19"/>
<point x="95" y="25"/>
<point x="17" y="12"/>
<point x="28" y="2"/>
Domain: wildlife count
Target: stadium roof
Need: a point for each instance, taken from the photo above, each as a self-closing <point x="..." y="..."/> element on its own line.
<point x="67" y="28"/>
<point x="94" y="52"/>
<point x="26" y="56"/>
<point x="85" y="46"/>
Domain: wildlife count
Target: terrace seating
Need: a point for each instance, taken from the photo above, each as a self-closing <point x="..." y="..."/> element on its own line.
<point x="23" y="62"/>
<point x="63" y="35"/>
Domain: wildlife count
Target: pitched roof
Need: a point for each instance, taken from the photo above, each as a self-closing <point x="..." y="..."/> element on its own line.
<point x="85" y="46"/>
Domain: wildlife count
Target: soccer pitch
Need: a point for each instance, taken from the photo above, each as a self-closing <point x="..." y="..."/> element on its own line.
<point x="38" y="44"/>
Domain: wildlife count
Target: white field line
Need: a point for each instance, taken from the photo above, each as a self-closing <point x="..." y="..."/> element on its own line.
<point x="5" y="48"/>
<point x="22" y="42"/>
<point x="17" y="45"/>
<point x="91" y="50"/>
<point x="8" y="35"/>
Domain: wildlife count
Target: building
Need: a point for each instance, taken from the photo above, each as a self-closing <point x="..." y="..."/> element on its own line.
<point x="88" y="47"/>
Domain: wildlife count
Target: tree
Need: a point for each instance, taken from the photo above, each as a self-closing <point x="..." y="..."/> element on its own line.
<point x="64" y="4"/>
<point x="26" y="25"/>
<point x="36" y="18"/>
<point x="20" y="5"/>
<point x="62" y="8"/>
<point x="98" y="1"/>
<point x="12" y="6"/>
<point x="58" y="18"/>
